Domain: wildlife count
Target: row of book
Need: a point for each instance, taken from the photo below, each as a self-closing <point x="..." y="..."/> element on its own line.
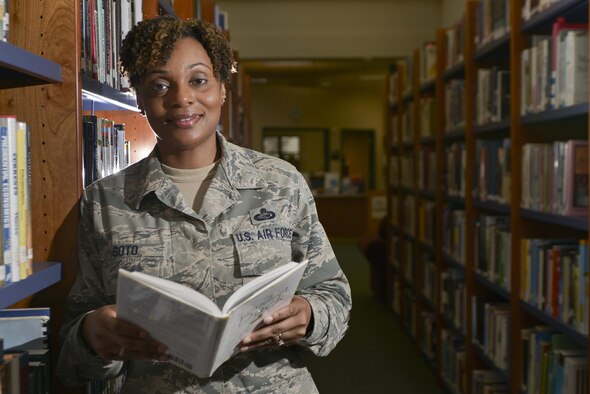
<point x="455" y="163"/>
<point x="492" y="95"/>
<point x="427" y="338"/>
<point x="492" y="249"/>
<point x="426" y="169"/>
<point x="429" y="279"/>
<point x="490" y="330"/>
<point x="554" y="279"/>
<point x="453" y="360"/>
<point x="555" y="177"/>
<point x="492" y="170"/>
<point x="453" y="242"/>
<point x="427" y="222"/>
<point x="453" y="298"/>
<point x="427" y="62"/>
<point x="104" y="24"/>
<point x="554" y="68"/>
<point x="16" y="256"/>
<point x="454" y="105"/>
<point x="105" y="149"/>
<point x="4" y="20"/>
<point x="407" y="131"/>
<point x="531" y="8"/>
<point x="492" y="21"/>
<point x="455" y="43"/>
<point x="427" y="117"/>
<point x="24" y="354"/>
<point x="553" y="363"/>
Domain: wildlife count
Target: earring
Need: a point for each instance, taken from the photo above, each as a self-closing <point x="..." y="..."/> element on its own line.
<point x="223" y="100"/>
<point x="141" y="111"/>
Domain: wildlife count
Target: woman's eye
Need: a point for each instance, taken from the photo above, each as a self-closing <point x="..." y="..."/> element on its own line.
<point x="160" y="86"/>
<point x="198" y="81"/>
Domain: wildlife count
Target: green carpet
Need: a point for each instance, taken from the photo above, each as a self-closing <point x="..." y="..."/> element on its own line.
<point x="376" y="355"/>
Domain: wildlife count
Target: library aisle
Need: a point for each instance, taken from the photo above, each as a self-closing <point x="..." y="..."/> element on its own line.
<point x="376" y="355"/>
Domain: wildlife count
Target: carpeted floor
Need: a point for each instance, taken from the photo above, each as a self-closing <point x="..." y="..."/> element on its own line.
<point x="376" y="355"/>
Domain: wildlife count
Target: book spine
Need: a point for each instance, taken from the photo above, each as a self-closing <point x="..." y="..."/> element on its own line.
<point x="13" y="199"/>
<point x="21" y="169"/>
<point x="10" y="276"/>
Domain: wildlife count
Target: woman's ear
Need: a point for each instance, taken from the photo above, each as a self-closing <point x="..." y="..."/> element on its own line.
<point x="223" y="93"/>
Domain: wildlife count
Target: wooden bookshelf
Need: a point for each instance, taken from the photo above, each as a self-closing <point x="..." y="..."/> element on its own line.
<point x="504" y="51"/>
<point x="41" y="83"/>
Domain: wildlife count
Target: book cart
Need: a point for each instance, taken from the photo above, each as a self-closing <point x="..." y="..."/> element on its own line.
<point x="442" y="302"/>
<point x="41" y="83"/>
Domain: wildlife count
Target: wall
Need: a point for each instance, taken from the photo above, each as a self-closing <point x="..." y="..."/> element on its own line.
<point x="451" y="11"/>
<point x="333" y="109"/>
<point x="263" y="29"/>
<point x="312" y="29"/>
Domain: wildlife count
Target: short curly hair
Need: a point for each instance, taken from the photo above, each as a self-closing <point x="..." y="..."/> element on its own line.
<point x="151" y="41"/>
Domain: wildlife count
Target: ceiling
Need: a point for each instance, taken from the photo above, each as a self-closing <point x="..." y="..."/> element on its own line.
<point x="318" y="73"/>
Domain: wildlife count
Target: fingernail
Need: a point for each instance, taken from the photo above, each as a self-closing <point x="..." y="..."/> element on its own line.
<point x="268" y="320"/>
<point x="246" y="341"/>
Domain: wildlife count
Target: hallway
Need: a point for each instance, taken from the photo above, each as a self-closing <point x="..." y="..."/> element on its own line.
<point x="376" y="355"/>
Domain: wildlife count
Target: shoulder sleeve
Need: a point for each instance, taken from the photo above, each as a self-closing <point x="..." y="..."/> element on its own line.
<point x="77" y="364"/>
<point x="324" y="285"/>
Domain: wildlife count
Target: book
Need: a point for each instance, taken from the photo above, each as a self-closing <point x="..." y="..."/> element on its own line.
<point x="575" y="195"/>
<point x="9" y="225"/>
<point x="25" y="328"/>
<point x="560" y="29"/>
<point x="22" y="153"/>
<point x="168" y="310"/>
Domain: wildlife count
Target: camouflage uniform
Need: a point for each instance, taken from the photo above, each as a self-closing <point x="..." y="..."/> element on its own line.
<point x="137" y="220"/>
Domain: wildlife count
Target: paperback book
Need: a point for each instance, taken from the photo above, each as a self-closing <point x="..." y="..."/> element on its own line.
<point x="199" y="335"/>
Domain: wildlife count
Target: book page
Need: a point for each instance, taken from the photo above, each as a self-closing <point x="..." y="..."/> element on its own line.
<point x="251" y="287"/>
<point x="189" y="332"/>
<point x="247" y="315"/>
<point x="181" y="292"/>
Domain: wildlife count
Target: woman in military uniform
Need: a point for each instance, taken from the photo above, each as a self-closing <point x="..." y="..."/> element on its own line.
<point x="189" y="212"/>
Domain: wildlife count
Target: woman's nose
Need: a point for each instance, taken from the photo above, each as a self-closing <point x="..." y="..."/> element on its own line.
<point x="182" y="96"/>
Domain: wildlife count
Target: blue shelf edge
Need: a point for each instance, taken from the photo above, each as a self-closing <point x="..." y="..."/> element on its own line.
<point x="556" y="114"/>
<point x="578" y="223"/>
<point x="44" y="275"/>
<point x="29" y="64"/>
<point x="554" y="323"/>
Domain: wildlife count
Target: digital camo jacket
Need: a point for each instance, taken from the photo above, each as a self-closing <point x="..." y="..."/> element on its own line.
<point x="137" y="220"/>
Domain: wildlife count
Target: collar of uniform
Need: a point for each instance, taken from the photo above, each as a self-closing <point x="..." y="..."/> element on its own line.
<point x="240" y="172"/>
<point x="151" y="178"/>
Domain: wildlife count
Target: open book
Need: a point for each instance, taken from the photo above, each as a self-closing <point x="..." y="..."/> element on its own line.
<point x="200" y="336"/>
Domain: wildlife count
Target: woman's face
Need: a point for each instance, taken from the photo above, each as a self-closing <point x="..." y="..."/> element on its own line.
<point x="182" y="101"/>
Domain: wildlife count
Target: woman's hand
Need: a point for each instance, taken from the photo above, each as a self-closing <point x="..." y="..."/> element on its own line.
<point x="286" y="326"/>
<point x="115" y="339"/>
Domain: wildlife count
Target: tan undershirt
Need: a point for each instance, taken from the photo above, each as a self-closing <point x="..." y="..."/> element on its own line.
<point x="192" y="183"/>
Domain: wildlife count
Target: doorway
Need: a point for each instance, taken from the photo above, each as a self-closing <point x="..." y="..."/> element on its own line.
<point x="358" y="158"/>
<point x="305" y="148"/>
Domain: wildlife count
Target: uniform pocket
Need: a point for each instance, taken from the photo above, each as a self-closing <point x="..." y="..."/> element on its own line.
<point x="141" y="250"/>
<point x="260" y="250"/>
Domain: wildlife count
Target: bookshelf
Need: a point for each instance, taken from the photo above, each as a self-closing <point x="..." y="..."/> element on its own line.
<point x="468" y="207"/>
<point x="20" y="68"/>
<point x="41" y="83"/>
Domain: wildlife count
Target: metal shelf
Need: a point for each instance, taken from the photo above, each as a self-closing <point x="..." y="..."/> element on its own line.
<point x="44" y="275"/>
<point x="21" y="68"/>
